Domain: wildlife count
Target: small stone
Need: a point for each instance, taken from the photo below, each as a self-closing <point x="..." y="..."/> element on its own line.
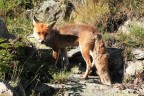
<point x="134" y="68"/>
<point x="138" y="53"/>
<point x="5" y="90"/>
<point x="130" y="90"/>
<point x="119" y="86"/>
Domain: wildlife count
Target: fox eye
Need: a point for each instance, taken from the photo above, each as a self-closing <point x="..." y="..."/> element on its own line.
<point x="39" y="33"/>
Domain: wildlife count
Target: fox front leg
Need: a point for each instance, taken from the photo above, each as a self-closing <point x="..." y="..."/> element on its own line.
<point x="65" y="58"/>
<point x="56" y="55"/>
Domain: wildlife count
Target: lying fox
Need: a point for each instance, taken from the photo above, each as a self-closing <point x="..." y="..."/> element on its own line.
<point x="88" y="39"/>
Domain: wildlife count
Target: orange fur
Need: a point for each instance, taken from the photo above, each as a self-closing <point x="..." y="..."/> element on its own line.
<point x="84" y="36"/>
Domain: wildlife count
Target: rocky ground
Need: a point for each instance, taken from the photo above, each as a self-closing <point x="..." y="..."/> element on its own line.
<point x="76" y="86"/>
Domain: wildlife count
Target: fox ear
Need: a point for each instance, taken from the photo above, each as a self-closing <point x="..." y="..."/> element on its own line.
<point x="51" y="24"/>
<point x="35" y="20"/>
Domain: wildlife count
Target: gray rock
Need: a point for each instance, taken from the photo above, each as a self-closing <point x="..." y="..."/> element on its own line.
<point x="51" y="10"/>
<point x="138" y="53"/>
<point x="6" y="89"/>
<point x="36" y="43"/>
<point x="130" y="90"/>
<point x="71" y="52"/>
<point x="3" y="30"/>
<point x="125" y="28"/>
<point x="134" y="67"/>
<point x="18" y="88"/>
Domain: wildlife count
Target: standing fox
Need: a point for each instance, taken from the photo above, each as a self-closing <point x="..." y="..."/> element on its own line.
<point x="88" y="39"/>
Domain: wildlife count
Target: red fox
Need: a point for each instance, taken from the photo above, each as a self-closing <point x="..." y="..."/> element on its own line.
<point x="84" y="36"/>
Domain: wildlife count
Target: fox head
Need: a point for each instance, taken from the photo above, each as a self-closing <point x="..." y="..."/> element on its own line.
<point x="41" y="31"/>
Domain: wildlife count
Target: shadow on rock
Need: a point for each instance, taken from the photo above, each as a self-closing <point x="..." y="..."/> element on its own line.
<point x="74" y="89"/>
<point x="45" y="90"/>
<point x="116" y="63"/>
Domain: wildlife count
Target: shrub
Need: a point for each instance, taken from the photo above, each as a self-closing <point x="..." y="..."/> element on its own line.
<point x="8" y="57"/>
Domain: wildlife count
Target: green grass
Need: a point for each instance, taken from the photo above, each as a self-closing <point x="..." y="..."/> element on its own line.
<point x="61" y="77"/>
<point x="20" y="26"/>
<point x="14" y="8"/>
<point x="135" y="38"/>
<point x="137" y="33"/>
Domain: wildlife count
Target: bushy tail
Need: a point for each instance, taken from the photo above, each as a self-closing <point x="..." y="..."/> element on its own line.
<point x="100" y="59"/>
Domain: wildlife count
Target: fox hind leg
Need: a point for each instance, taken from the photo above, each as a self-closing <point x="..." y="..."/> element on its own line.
<point x="85" y="53"/>
<point x="101" y="63"/>
<point x="101" y="60"/>
<point x="92" y="55"/>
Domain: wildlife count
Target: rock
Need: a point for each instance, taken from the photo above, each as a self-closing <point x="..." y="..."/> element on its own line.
<point x="48" y="9"/>
<point x="142" y="89"/>
<point x="18" y="88"/>
<point x="130" y="90"/>
<point x="45" y="90"/>
<point x="51" y="10"/>
<point x="115" y="58"/>
<point x="36" y="43"/>
<point x="119" y="86"/>
<point x="3" y="30"/>
<point x="6" y="89"/>
<point x="134" y="67"/>
<point x="72" y="52"/>
<point x="138" y="53"/>
<point x="75" y="56"/>
<point x="116" y="64"/>
<point x="125" y="28"/>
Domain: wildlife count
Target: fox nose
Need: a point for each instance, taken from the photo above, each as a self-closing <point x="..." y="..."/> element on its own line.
<point x="42" y="42"/>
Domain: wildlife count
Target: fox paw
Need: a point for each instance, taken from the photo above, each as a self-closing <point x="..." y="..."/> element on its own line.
<point x="85" y="77"/>
<point x="106" y="81"/>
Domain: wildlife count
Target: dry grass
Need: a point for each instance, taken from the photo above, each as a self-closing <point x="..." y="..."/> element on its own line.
<point x="89" y="12"/>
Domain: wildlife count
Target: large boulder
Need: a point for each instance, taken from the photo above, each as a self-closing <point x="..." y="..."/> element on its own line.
<point x="3" y="30"/>
<point x="51" y="10"/>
